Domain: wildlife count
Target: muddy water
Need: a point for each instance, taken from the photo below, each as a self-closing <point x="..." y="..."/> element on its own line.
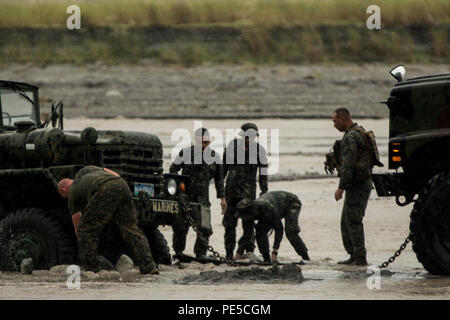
<point x="302" y="144"/>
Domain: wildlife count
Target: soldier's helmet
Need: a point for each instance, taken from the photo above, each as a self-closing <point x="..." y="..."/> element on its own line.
<point x="249" y="129"/>
<point x="245" y="209"/>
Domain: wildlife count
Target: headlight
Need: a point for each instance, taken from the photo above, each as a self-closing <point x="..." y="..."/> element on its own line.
<point x="172" y="187"/>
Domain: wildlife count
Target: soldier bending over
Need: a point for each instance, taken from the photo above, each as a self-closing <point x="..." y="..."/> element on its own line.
<point x="96" y="196"/>
<point x="269" y="209"/>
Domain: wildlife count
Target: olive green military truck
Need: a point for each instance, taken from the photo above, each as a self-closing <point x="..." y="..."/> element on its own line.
<point x="35" y="155"/>
<point x="419" y="151"/>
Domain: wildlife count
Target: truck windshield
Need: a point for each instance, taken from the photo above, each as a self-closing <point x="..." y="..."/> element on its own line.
<point x="15" y="106"/>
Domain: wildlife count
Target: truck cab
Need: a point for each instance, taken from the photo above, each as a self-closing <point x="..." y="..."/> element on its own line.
<point x="419" y="152"/>
<point x="36" y="154"/>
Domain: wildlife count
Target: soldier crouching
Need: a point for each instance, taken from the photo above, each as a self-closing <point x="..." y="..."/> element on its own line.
<point x="269" y="209"/>
<point x="95" y="197"/>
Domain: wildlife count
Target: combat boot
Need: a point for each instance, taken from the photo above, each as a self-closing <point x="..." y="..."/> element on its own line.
<point x="305" y="259"/>
<point x="360" y="261"/>
<point x="229" y="255"/>
<point x="150" y="268"/>
<point x="348" y="261"/>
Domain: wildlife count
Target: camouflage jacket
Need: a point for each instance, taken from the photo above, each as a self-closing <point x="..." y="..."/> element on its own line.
<point x="355" y="158"/>
<point x="274" y="206"/>
<point x="241" y="165"/>
<point x="200" y="173"/>
<point x="86" y="183"/>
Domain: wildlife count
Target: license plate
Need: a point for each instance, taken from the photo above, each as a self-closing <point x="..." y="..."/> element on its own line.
<point x="148" y="188"/>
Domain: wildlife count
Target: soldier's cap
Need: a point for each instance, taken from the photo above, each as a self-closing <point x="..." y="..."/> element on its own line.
<point x="246" y="209"/>
<point x="249" y="129"/>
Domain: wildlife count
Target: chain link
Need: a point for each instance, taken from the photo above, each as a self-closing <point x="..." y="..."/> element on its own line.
<point x="187" y="212"/>
<point x="397" y="253"/>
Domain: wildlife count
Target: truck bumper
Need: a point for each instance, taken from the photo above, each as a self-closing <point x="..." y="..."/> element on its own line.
<point x="393" y="185"/>
<point x="155" y="212"/>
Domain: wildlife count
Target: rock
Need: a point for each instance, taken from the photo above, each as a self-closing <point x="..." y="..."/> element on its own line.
<point x="105" y="264"/>
<point x="109" y="275"/>
<point x="89" y="275"/>
<point x="41" y="273"/>
<point x="275" y="269"/>
<point x="114" y="94"/>
<point x="132" y="272"/>
<point x="124" y="264"/>
<point x="292" y="272"/>
<point x="59" y="269"/>
<point x="26" y="266"/>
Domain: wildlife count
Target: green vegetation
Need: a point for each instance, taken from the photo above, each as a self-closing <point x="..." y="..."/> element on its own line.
<point x="52" y="13"/>
<point x="190" y="32"/>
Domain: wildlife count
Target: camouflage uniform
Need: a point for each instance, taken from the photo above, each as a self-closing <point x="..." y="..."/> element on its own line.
<point x="101" y="200"/>
<point x="201" y="175"/>
<point x="269" y="209"/>
<point x="240" y="184"/>
<point x="356" y="180"/>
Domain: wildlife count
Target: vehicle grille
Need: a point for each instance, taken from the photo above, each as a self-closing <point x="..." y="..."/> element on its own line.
<point x="136" y="164"/>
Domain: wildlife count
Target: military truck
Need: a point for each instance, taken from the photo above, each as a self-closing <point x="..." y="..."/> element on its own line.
<point x="35" y="155"/>
<point x="419" y="151"/>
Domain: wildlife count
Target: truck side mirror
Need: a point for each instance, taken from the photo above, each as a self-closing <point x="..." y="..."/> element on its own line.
<point x="398" y="72"/>
<point x="57" y="115"/>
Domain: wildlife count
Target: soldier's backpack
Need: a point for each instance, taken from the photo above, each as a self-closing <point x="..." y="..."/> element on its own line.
<point x="369" y="136"/>
<point x="333" y="161"/>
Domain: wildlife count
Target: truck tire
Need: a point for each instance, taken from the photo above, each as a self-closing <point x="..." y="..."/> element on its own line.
<point x="430" y="225"/>
<point x="31" y="233"/>
<point x="159" y="247"/>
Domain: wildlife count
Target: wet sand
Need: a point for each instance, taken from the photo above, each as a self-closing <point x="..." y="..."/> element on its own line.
<point x="148" y="90"/>
<point x="302" y="145"/>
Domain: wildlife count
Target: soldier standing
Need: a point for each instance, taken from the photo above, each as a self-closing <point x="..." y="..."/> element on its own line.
<point x="356" y="181"/>
<point x="241" y="160"/>
<point x="96" y="196"/>
<point x="192" y="162"/>
<point x="269" y="209"/>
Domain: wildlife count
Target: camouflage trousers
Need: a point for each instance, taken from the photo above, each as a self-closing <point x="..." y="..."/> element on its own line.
<point x="180" y="230"/>
<point x="353" y="211"/>
<point x="112" y="202"/>
<point x="230" y="220"/>
<point x="292" y="230"/>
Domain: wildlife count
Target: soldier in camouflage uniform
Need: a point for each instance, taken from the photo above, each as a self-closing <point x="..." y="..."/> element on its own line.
<point x="201" y="170"/>
<point x="241" y="160"/>
<point x="96" y="196"/>
<point x="269" y="209"/>
<point x="355" y="179"/>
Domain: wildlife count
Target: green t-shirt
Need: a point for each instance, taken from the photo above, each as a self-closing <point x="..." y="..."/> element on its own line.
<point x="85" y="184"/>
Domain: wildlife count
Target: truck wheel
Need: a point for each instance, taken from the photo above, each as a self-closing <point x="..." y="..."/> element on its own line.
<point x="430" y="225"/>
<point x="30" y="233"/>
<point x="159" y="247"/>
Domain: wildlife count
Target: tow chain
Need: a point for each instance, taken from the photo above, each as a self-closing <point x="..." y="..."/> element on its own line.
<point x="187" y="211"/>
<point x="397" y="253"/>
